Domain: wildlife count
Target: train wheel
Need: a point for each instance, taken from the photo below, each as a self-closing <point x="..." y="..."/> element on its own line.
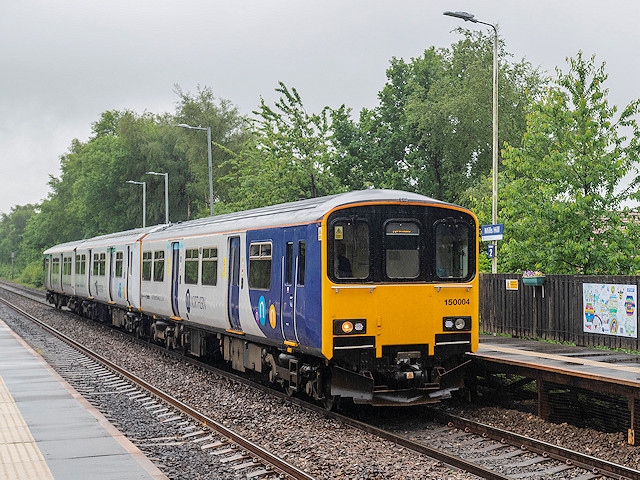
<point x="330" y="402"/>
<point x="289" y="390"/>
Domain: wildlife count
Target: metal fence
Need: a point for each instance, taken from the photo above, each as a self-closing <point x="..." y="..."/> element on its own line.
<point x="553" y="311"/>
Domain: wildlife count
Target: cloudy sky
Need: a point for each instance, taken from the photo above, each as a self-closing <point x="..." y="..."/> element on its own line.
<point x="64" y="62"/>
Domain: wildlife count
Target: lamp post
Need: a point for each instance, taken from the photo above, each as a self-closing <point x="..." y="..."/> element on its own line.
<point x="210" y="163"/>
<point x="166" y="193"/>
<point x="144" y="200"/>
<point x="468" y="17"/>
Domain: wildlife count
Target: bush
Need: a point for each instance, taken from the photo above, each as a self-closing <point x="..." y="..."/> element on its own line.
<point x="32" y="274"/>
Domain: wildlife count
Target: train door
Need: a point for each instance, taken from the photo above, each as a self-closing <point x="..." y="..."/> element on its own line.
<point x="91" y="291"/>
<point x="175" y="277"/>
<point x="292" y="285"/>
<point x="112" y="272"/>
<point x="233" y="296"/>
<point x="125" y="273"/>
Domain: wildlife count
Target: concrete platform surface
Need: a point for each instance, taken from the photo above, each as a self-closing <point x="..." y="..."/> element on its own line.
<point x="49" y="431"/>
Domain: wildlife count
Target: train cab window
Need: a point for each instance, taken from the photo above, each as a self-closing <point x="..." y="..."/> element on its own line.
<point x="452" y="250"/>
<point x="402" y="250"/>
<point x="191" y="260"/>
<point x="158" y="266"/>
<point x="260" y="265"/>
<point x="350" y="249"/>
<point x="146" y="266"/>
<point x="210" y="266"/>
<point x="302" y="262"/>
<point x="119" y="264"/>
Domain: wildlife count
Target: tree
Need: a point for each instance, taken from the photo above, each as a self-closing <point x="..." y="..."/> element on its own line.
<point x="230" y="131"/>
<point x="12" y="227"/>
<point x="289" y="157"/>
<point x="563" y="203"/>
<point x="432" y="132"/>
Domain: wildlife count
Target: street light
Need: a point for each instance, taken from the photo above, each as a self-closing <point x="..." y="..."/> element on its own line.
<point x="208" y="130"/>
<point x="468" y="17"/>
<point x="144" y="200"/>
<point x="166" y="193"/>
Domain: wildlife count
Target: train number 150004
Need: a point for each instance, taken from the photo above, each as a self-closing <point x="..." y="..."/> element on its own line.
<point x="456" y="301"/>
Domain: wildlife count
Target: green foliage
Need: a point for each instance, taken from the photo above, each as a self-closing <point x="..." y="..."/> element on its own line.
<point x="289" y="157"/>
<point x="12" y="232"/>
<point x="562" y="194"/>
<point x="563" y="197"/>
<point x="432" y="132"/>
<point x="32" y="274"/>
<point x="230" y="131"/>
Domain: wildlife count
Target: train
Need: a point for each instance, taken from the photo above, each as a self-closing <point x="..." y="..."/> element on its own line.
<point x="369" y="295"/>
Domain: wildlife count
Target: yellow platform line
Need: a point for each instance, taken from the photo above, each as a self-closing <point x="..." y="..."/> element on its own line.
<point x="20" y="457"/>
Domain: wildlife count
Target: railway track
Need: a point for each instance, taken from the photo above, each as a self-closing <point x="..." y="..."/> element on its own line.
<point x="506" y="453"/>
<point x="484" y="451"/>
<point x="196" y="427"/>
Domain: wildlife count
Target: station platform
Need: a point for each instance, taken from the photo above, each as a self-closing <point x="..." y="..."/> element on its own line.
<point x="48" y="431"/>
<point x="602" y="371"/>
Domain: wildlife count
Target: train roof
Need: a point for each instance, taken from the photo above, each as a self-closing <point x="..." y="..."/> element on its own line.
<point x="129" y="236"/>
<point x="293" y="213"/>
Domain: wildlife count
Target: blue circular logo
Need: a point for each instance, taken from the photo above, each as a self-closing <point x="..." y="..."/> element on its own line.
<point x="262" y="311"/>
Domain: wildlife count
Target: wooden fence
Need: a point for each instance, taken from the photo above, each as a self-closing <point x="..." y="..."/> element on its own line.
<point x="553" y="311"/>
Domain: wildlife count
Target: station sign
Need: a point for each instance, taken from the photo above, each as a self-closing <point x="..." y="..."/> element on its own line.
<point x="491" y="250"/>
<point x="492" y="232"/>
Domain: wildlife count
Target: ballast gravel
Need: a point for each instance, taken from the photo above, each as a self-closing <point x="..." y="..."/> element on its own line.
<point x="316" y="444"/>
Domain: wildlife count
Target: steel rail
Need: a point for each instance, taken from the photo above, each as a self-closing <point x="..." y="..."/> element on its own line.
<point x="589" y="463"/>
<point x="596" y="465"/>
<point x="266" y="456"/>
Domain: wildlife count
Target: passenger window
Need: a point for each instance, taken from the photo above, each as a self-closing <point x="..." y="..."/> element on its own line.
<point x="103" y="264"/>
<point x="452" y="250"/>
<point x="350" y="249"/>
<point x="191" y="266"/>
<point x="146" y="266"/>
<point x="209" y="266"/>
<point x="158" y="266"/>
<point x="119" y="263"/>
<point x="402" y="250"/>
<point x="99" y="264"/>
<point x="66" y="266"/>
<point x="81" y="261"/>
<point x="260" y="266"/>
<point x="55" y="267"/>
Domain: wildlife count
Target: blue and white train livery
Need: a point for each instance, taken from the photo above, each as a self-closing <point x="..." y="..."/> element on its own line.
<point x="369" y="295"/>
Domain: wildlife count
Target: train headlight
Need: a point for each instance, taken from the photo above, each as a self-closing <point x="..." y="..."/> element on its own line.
<point x="350" y="326"/>
<point x="456" y="323"/>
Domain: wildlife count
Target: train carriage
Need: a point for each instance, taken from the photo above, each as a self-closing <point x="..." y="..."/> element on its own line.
<point x="59" y="272"/>
<point x="369" y="295"/>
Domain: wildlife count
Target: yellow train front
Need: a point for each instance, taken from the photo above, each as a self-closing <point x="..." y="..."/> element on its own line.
<point x="399" y="300"/>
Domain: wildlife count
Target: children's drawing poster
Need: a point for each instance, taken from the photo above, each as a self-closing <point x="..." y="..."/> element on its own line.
<point x="610" y="309"/>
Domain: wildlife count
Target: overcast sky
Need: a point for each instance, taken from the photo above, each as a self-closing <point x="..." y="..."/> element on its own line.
<point x="64" y="62"/>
